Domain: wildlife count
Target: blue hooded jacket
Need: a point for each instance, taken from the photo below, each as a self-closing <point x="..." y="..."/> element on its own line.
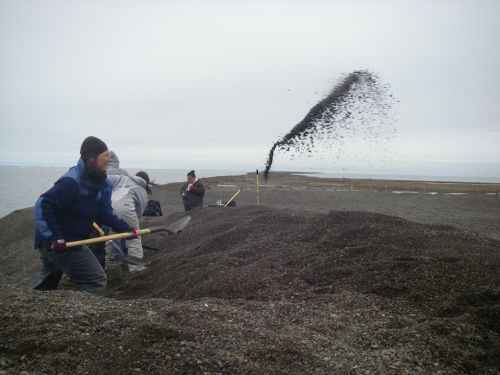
<point x="68" y="209"/>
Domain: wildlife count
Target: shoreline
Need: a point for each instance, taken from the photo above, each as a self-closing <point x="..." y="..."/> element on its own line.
<point x="298" y="181"/>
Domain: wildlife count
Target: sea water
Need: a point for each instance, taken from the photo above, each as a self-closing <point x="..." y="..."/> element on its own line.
<point x="21" y="186"/>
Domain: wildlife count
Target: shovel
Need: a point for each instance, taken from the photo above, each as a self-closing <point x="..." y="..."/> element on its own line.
<point x="173" y="228"/>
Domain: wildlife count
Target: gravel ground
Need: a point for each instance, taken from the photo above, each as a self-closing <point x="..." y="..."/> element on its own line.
<point x="348" y="282"/>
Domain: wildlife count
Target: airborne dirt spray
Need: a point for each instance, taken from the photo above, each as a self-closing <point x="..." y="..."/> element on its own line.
<point x="358" y="98"/>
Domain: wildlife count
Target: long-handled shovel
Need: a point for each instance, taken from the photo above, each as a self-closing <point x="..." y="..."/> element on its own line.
<point x="173" y="228"/>
<point x="232" y="198"/>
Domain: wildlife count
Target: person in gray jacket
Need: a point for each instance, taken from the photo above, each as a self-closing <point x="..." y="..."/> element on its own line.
<point x="129" y="199"/>
<point x="99" y="249"/>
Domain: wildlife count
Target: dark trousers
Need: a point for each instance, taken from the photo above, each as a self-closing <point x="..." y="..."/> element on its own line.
<point x="79" y="263"/>
<point x="99" y="249"/>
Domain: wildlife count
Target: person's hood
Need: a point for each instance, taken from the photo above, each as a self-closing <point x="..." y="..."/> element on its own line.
<point x="139" y="181"/>
<point x="113" y="160"/>
<point x="126" y="181"/>
<point x="81" y="170"/>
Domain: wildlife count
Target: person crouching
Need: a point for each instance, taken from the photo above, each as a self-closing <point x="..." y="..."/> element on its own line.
<point x="129" y="199"/>
<point x="66" y="213"/>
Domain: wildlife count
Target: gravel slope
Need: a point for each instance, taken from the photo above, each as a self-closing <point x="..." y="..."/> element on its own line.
<point x="255" y="290"/>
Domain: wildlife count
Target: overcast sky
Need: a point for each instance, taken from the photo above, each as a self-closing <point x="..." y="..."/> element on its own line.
<point x="212" y="84"/>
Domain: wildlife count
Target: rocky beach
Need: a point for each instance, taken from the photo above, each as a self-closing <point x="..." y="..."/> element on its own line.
<point x="325" y="276"/>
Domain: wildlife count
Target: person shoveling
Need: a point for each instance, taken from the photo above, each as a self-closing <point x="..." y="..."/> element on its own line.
<point x="66" y="213"/>
<point x="128" y="199"/>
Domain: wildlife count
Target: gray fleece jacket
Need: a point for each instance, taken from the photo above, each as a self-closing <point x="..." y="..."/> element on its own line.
<point x="130" y="186"/>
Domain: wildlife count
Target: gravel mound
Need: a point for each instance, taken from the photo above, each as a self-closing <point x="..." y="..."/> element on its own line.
<point x="262" y="290"/>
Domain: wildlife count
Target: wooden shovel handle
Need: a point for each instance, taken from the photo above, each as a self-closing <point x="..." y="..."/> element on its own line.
<point x="91" y="241"/>
<point x="171" y="230"/>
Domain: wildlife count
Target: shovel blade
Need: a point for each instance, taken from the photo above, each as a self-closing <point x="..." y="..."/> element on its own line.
<point x="175" y="227"/>
<point x="178" y="225"/>
<point x="129" y="259"/>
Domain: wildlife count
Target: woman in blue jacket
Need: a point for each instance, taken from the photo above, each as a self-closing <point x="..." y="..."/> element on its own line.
<point x="66" y="213"/>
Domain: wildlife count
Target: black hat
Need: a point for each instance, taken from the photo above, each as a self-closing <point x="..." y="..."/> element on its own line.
<point x="191" y="173"/>
<point x="92" y="147"/>
<point x="144" y="176"/>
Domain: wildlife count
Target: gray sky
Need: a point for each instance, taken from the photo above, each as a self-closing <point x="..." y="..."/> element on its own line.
<point x="198" y="84"/>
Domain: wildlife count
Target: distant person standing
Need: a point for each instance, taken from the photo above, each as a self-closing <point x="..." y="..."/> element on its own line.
<point x="192" y="192"/>
<point x="66" y="213"/>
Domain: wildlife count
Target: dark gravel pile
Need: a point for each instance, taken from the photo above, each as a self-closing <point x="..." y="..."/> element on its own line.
<point x="261" y="290"/>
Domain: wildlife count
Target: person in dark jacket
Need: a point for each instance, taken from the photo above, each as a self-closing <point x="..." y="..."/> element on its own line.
<point x="192" y="192"/>
<point x="66" y="213"/>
